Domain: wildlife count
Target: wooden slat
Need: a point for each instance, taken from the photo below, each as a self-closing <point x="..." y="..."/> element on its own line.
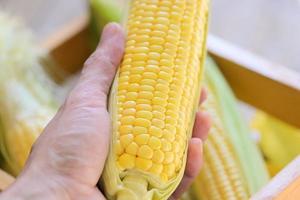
<point x="269" y="87"/>
<point x="284" y="186"/>
<point x="70" y="46"/>
<point x="291" y="192"/>
<point x="264" y="85"/>
<point x="5" y="180"/>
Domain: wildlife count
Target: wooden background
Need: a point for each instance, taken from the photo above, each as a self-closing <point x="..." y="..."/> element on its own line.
<point x="269" y="28"/>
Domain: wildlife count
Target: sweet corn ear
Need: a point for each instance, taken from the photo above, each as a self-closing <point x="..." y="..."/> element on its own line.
<point x="27" y="100"/>
<point x="233" y="167"/>
<point x="154" y="98"/>
<point x="221" y="176"/>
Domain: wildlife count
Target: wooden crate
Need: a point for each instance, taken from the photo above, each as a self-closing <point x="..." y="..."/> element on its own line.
<point x="255" y="81"/>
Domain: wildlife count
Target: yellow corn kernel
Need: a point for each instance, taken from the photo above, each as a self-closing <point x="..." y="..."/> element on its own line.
<point x="142" y="139"/>
<point x="141" y="122"/>
<point x="158" y="156"/>
<point x="156" y="169"/>
<point x="145" y="95"/>
<point x="126" y="139"/>
<point x="166" y="145"/>
<point x="129" y="104"/>
<point x="143" y="107"/>
<point x="144" y="114"/>
<point x="158" y="115"/>
<point x="127" y="161"/>
<point x="168" y="135"/>
<point x="132" y="148"/>
<point x="131" y="96"/>
<point x="169" y="169"/>
<point x="128" y="112"/>
<point x="154" y="143"/>
<point x="127" y="120"/>
<point x="125" y="129"/>
<point x="169" y="158"/>
<point x="145" y="152"/>
<point x="155" y="131"/>
<point x="158" y="123"/>
<point x="138" y="130"/>
<point x="143" y="164"/>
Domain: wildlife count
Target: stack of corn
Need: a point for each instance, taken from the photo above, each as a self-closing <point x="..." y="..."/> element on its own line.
<point x="26" y="100"/>
<point x="233" y="166"/>
<point x="154" y="98"/>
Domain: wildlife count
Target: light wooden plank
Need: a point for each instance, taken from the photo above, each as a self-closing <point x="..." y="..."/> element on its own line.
<point x="284" y="186"/>
<point x="70" y="46"/>
<point x="291" y="192"/>
<point x="264" y="85"/>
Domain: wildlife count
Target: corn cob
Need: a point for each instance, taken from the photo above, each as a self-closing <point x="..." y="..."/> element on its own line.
<point x="154" y="98"/>
<point x="26" y="103"/>
<point x="221" y="176"/>
<point x="233" y="167"/>
<point x="238" y="132"/>
<point x="279" y="141"/>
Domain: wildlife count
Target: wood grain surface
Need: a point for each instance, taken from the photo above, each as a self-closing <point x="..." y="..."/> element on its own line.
<point x="258" y="82"/>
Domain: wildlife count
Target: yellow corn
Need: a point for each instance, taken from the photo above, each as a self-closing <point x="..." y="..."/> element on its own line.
<point x="27" y="102"/>
<point x="233" y="167"/>
<point x="154" y="98"/>
<point x="221" y="176"/>
<point x="279" y="141"/>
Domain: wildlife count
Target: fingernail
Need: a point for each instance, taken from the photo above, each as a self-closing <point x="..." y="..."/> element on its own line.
<point x="198" y="142"/>
<point x="111" y="32"/>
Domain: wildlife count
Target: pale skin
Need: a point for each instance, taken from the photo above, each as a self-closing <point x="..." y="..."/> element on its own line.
<point x="67" y="160"/>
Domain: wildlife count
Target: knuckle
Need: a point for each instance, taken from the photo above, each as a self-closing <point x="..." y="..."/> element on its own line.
<point x="98" y="57"/>
<point x="85" y="100"/>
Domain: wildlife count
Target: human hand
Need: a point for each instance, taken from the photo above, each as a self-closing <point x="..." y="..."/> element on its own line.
<point x="67" y="160"/>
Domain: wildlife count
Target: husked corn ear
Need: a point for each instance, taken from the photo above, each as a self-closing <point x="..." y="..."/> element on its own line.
<point x="221" y="177"/>
<point x="228" y="148"/>
<point x="247" y="152"/>
<point x="20" y="126"/>
<point x="279" y="141"/>
<point x="154" y="98"/>
<point x="26" y="100"/>
<point x="22" y="119"/>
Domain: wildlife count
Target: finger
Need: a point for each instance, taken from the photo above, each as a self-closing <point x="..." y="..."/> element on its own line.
<point x="202" y="125"/>
<point x="193" y="165"/>
<point x="100" y="68"/>
<point x="203" y="96"/>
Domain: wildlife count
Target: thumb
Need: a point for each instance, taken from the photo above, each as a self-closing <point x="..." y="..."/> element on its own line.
<point x="84" y="113"/>
<point x="99" y="69"/>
